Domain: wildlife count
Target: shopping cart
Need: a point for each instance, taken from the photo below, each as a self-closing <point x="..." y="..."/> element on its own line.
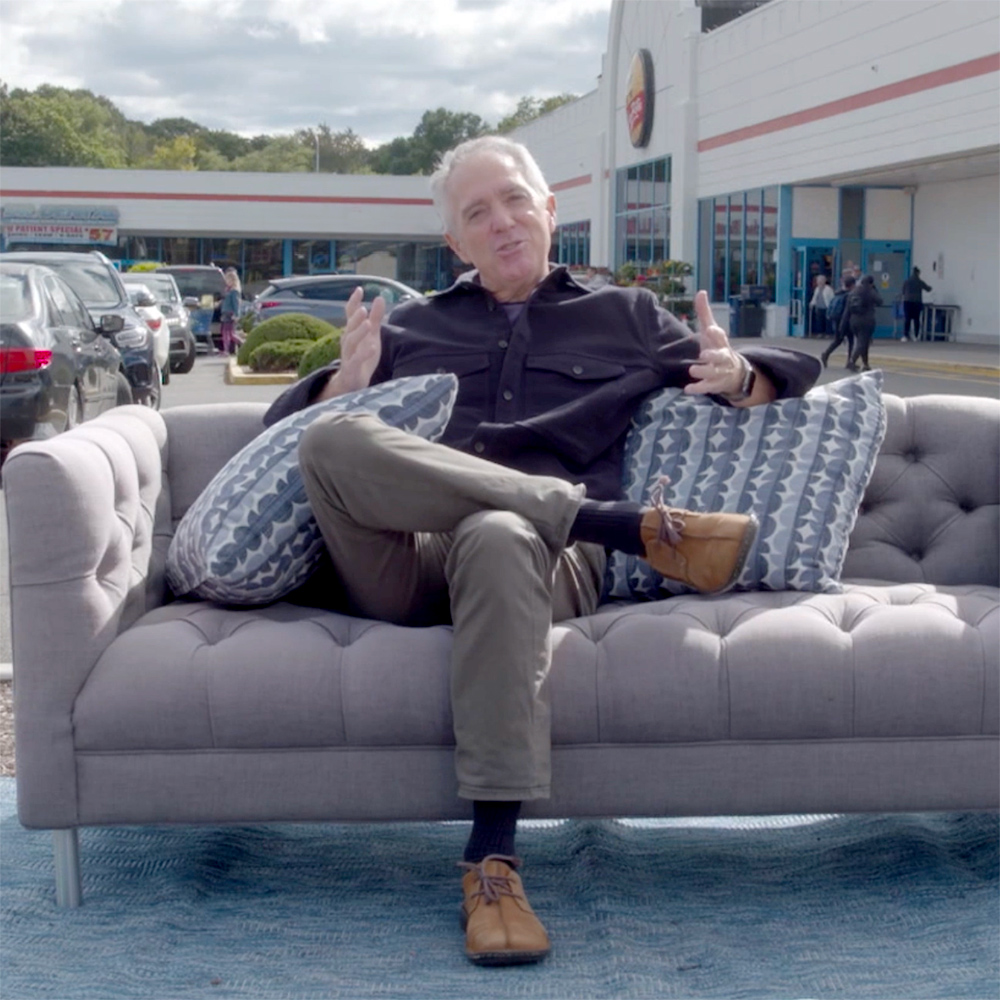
<point x="201" y="328"/>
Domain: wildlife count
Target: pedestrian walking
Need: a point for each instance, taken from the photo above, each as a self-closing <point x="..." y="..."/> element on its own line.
<point x="862" y="301"/>
<point x="913" y="303"/>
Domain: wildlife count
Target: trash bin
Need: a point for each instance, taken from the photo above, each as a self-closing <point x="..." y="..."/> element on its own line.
<point x="746" y="312"/>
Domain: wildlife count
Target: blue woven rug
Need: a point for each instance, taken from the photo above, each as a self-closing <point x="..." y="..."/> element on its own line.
<point x="822" y="907"/>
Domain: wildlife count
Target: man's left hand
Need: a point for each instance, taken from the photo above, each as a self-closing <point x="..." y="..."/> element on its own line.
<point x="718" y="369"/>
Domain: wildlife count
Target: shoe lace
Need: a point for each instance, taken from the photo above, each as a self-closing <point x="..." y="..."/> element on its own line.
<point x="492" y="887"/>
<point x="671" y="519"/>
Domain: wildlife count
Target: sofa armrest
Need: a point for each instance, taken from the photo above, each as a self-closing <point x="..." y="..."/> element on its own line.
<point x="89" y="520"/>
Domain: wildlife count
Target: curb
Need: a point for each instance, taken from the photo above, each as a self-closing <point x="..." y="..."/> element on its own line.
<point x="235" y="374"/>
<point x="940" y="367"/>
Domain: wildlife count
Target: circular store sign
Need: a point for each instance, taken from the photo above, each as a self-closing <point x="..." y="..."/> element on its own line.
<point x="639" y="98"/>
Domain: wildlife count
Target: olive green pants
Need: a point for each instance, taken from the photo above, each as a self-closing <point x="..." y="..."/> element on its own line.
<point x="420" y="534"/>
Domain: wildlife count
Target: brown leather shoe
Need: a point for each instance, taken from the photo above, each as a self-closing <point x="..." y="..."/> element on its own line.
<point x="500" y="926"/>
<point x="704" y="551"/>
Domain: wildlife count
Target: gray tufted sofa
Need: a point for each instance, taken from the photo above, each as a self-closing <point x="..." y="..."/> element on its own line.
<point x="132" y="708"/>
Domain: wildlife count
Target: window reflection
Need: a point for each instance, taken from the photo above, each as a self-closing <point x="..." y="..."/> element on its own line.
<point x="642" y="214"/>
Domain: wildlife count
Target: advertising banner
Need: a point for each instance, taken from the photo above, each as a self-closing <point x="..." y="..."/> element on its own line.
<point x="58" y="232"/>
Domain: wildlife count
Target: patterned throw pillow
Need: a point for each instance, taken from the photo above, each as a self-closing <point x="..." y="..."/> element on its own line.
<point x="801" y="465"/>
<point x="250" y="537"/>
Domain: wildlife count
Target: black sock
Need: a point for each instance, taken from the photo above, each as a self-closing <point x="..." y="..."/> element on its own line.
<point x="493" y="827"/>
<point x="613" y="524"/>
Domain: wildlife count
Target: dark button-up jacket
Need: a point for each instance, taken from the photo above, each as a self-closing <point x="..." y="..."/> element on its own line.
<point x="552" y="393"/>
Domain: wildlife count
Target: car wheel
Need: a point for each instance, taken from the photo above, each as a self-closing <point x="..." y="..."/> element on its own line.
<point x="150" y="396"/>
<point x="123" y="395"/>
<point x="74" y="408"/>
<point x="186" y="363"/>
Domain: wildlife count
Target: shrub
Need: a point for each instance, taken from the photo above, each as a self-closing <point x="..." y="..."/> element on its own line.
<point x="145" y="265"/>
<point x="321" y="353"/>
<point x="278" y="355"/>
<point x="288" y="326"/>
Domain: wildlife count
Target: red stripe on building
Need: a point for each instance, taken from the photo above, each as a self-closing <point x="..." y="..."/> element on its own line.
<point x="890" y="92"/>
<point x="176" y="196"/>
<point x="571" y="183"/>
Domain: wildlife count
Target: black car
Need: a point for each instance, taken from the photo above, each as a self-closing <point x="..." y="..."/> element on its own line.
<point x="94" y="278"/>
<point x="325" y="295"/>
<point x="57" y="367"/>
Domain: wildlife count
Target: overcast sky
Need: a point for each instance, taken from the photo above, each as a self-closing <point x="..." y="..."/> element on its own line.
<point x="271" y="66"/>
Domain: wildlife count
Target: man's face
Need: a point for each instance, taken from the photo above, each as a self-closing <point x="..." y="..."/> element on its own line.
<point x="500" y="225"/>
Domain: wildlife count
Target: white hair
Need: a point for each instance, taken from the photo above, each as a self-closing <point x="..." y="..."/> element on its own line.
<point x="497" y="144"/>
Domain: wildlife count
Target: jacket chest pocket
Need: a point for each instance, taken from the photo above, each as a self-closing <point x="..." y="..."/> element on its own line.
<point x="561" y="378"/>
<point x="473" y="371"/>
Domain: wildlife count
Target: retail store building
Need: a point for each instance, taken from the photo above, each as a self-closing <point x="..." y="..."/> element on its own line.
<point x="798" y="138"/>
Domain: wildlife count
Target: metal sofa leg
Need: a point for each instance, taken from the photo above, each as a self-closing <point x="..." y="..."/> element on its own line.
<point x="66" y="853"/>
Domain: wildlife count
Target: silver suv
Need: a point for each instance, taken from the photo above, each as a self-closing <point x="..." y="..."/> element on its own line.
<point x="325" y="295"/>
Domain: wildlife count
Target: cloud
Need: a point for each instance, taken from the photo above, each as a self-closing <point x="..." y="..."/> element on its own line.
<point x="270" y="66"/>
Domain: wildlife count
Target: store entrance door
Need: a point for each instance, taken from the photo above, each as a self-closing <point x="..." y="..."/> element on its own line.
<point x="889" y="265"/>
<point x="808" y="261"/>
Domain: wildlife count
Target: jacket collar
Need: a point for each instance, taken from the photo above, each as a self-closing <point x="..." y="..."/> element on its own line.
<point x="558" y="279"/>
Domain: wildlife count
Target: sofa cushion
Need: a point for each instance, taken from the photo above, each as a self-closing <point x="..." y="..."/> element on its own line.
<point x="801" y="465"/>
<point x="250" y="537"/>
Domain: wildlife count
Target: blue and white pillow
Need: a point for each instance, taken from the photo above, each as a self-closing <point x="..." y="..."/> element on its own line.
<point x="250" y="537"/>
<point x="801" y="465"/>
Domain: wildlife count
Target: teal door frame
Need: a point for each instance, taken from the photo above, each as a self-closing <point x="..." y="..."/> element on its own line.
<point x="803" y="253"/>
<point x="870" y="250"/>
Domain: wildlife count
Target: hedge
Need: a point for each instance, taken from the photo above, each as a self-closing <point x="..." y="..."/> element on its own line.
<point x="321" y="353"/>
<point x="287" y="326"/>
<point x="279" y="355"/>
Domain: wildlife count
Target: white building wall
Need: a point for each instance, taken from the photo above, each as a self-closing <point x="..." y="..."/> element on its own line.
<point x="185" y="203"/>
<point x="815" y="213"/>
<point x="956" y="234"/>
<point x="788" y="57"/>
<point x="568" y="144"/>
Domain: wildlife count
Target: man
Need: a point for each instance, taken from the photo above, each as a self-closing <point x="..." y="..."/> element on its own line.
<point x="913" y="303"/>
<point x="862" y="302"/>
<point x="503" y="527"/>
<point x="838" y="323"/>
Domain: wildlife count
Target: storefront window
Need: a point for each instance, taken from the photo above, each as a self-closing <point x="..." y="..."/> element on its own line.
<point x="642" y="214"/>
<point x="769" y="244"/>
<point x="571" y="244"/>
<point x="740" y="246"/>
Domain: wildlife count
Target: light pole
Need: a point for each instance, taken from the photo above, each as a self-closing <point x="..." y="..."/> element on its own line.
<point x="316" y="141"/>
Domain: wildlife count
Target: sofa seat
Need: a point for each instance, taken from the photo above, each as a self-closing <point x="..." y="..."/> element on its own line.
<point x="756" y="666"/>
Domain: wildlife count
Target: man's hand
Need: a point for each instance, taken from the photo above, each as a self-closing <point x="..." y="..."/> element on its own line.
<point x="360" y="346"/>
<point x="718" y="369"/>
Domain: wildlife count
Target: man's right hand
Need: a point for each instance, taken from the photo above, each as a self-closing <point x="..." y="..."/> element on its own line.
<point x="360" y="346"/>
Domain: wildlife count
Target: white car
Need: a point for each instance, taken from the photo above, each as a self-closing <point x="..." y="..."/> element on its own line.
<point x="145" y="304"/>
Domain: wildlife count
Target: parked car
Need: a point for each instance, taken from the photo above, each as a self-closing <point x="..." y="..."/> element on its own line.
<point x="147" y="306"/>
<point x="170" y="301"/>
<point x="326" y="295"/>
<point x="57" y="367"/>
<point x="94" y="278"/>
<point x="195" y="281"/>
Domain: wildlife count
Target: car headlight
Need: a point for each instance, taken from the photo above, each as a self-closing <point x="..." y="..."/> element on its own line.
<point x="132" y="336"/>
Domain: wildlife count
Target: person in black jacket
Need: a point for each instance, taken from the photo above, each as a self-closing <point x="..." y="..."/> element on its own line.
<point x="861" y="304"/>
<point x="913" y="303"/>
<point x="502" y="527"/>
<point x="838" y="322"/>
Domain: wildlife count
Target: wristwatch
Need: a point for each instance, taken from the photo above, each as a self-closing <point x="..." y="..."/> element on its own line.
<point x="746" y="386"/>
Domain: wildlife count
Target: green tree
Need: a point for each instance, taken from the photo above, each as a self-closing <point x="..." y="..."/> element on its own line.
<point x="167" y="129"/>
<point x="441" y="130"/>
<point x="282" y="154"/>
<point x="339" y="152"/>
<point x="53" y="126"/>
<point x="175" y="154"/>
<point x="530" y="108"/>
